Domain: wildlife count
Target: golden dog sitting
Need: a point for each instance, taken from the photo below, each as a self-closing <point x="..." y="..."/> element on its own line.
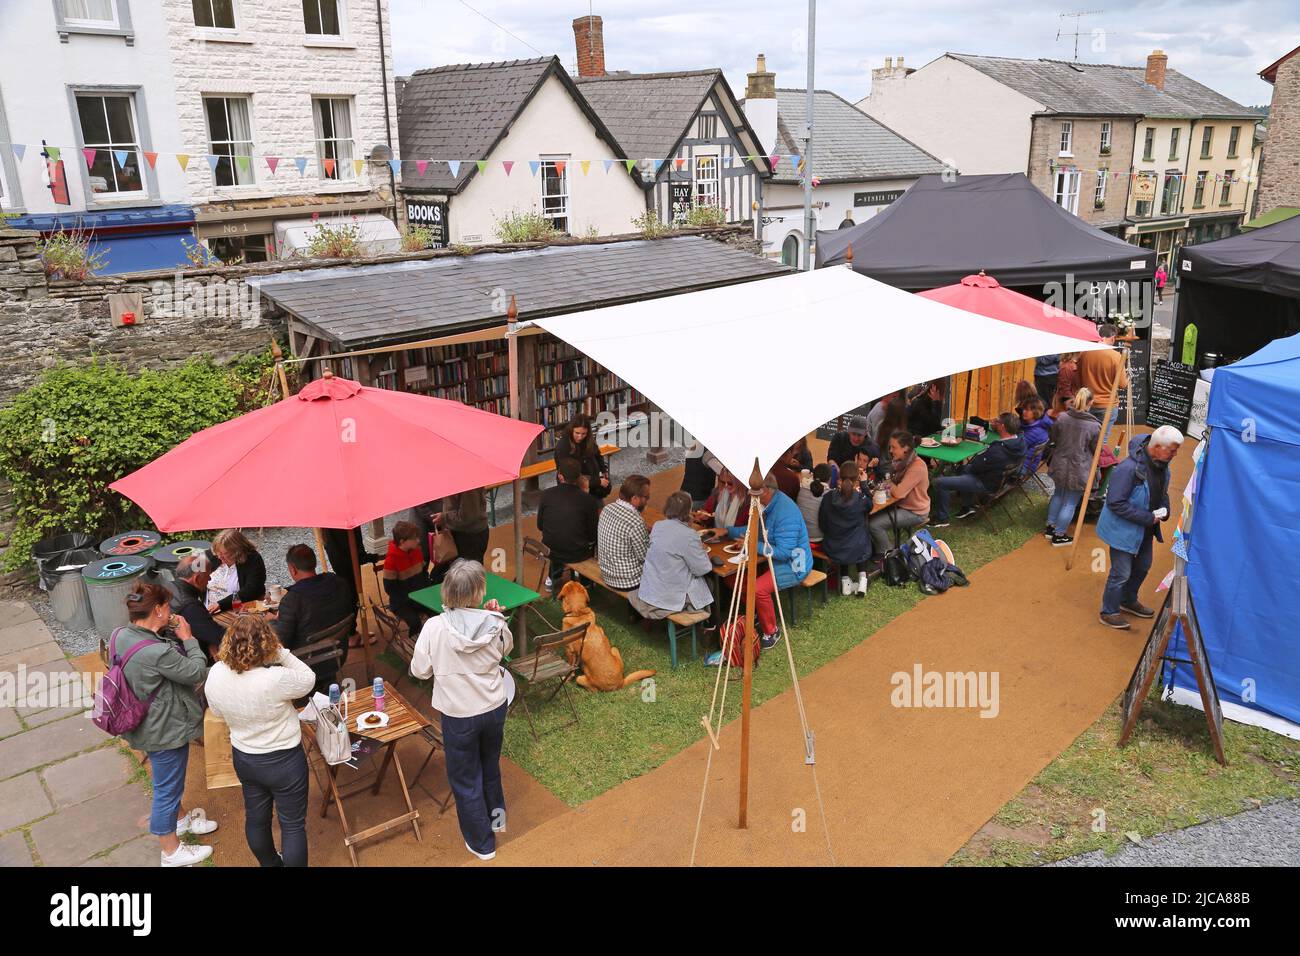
<point x="602" y="665"/>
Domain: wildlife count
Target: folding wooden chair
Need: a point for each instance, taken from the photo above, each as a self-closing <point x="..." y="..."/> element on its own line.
<point x="985" y="506"/>
<point x="548" y="662"/>
<point x="535" y="549"/>
<point x="327" y="644"/>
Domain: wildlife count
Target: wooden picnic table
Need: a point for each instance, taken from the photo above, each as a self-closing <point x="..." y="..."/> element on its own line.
<point x="403" y="721"/>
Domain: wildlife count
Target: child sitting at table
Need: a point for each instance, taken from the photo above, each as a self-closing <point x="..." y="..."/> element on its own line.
<point x="842" y="518"/>
<point x="1036" y="428"/>
<point x="812" y="486"/>
<point x="405" y="571"/>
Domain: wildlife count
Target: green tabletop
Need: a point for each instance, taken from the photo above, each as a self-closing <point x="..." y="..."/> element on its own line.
<point x="956" y="454"/>
<point x="507" y="593"/>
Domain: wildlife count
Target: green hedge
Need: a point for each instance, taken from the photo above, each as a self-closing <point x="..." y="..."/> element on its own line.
<point x="81" y="427"/>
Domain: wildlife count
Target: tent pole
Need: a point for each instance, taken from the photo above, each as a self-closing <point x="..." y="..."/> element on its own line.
<point x="361" y="603"/>
<point x="755" y="489"/>
<point x="1087" y="492"/>
<point x="512" y="350"/>
<point x="965" y="412"/>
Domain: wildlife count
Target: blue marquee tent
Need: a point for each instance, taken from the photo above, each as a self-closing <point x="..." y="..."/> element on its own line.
<point x="1245" y="535"/>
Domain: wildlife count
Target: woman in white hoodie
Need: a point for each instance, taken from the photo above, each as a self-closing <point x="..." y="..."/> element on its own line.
<point x="461" y="649"/>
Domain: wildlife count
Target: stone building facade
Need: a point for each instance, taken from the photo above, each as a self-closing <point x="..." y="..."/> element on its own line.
<point x="1279" y="183"/>
<point x="1074" y="159"/>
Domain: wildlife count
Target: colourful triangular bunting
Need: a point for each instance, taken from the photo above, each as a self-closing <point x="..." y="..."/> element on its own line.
<point x="120" y="155"/>
<point x="586" y="166"/>
<point x="20" y="150"/>
<point x="151" y="159"/>
<point x="396" y="166"/>
<point x="301" y="163"/>
<point x="90" y="153"/>
<point x="454" y="166"/>
<point x="559" y="167"/>
<point x="245" y="164"/>
<point x="481" y="164"/>
<point x="421" y="165"/>
<point x="53" y="152"/>
<point x="329" y="168"/>
<point x="534" y="165"/>
<point x="357" y="165"/>
<point x="272" y="162"/>
<point x="508" y="164"/>
<point x="630" y="163"/>
<point x="609" y="163"/>
<point x="183" y="159"/>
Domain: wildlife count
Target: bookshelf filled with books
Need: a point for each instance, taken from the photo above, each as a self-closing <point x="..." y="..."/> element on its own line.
<point x="568" y="383"/>
<point x="474" y="374"/>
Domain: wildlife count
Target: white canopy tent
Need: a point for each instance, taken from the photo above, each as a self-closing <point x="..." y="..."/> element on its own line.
<point x="749" y="369"/>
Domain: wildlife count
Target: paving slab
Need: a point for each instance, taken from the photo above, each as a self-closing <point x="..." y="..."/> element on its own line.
<point x="22" y="800"/>
<point x="43" y="653"/>
<point x="9" y="722"/>
<point x="16" y="612"/>
<point x="47" y="744"/>
<point x="77" y="833"/>
<point x="64" y="685"/>
<point x="14" y="852"/>
<point x="53" y="714"/>
<point x="142" y="851"/>
<point x="86" y="775"/>
<point x="17" y="637"/>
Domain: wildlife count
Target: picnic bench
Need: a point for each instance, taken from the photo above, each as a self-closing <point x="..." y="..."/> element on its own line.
<point x="535" y="470"/>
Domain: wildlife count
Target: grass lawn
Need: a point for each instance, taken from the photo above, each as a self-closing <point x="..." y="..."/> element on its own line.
<point x="622" y="736"/>
<point x="1094" y="794"/>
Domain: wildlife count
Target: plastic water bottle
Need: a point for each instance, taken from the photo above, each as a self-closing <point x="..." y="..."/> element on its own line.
<point x="379" y="694"/>
<point x="334" y="695"/>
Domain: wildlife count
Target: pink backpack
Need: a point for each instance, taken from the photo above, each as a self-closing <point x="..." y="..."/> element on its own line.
<point x="117" y="709"/>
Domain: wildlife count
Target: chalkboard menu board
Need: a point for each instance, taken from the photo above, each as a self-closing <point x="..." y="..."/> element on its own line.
<point x="827" y="431"/>
<point x="1140" y="369"/>
<point x="1173" y="386"/>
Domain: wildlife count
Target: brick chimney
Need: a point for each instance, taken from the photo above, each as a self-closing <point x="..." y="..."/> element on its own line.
<point x="1156" y="64"/>
<point x="589" y="35"/>
<point x="760" y="103"/>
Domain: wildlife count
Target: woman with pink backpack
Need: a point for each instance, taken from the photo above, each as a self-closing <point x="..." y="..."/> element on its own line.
<point x="156" y="666"/>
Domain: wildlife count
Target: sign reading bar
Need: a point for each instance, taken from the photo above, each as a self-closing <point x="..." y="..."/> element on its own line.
<point x="880" y="198"/>
<point x="1173" y="388"/>
<point x="430" y="215"/>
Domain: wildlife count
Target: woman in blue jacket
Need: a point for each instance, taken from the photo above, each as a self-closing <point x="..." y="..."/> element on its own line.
<point x="1137" y="500"/>
<point x="843" y="521"/>
<point x="788" y="553"/>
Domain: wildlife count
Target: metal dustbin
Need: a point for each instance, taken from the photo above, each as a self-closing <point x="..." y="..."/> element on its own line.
<point x="51" y="552"/>
<point x="166" y="557"/>
<point x="108" y="582"/>
<point x="68" y="596"/>
<point x="130" y="542"/>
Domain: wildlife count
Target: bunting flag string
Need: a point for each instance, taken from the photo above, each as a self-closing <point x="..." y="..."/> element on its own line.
<point x="330" y="167"/>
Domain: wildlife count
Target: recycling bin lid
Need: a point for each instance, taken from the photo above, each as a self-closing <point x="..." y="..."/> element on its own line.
<point x="130" y="542"/>
<point x="169" y="555"/>
<point x="117" y="568"/>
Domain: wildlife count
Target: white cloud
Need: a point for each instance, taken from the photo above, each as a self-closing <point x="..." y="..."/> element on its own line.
<point x="1223" y="45"/>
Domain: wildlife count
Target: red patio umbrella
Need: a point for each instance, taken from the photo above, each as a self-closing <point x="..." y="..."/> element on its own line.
<point x="335" y="455"/>
<point x="983" y="295"/>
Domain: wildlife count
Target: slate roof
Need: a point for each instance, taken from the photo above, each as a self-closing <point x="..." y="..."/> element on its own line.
<point x="1105" y="89"/>
<point x="368" y="305"/>
<point x="461" y="112"/>
<point x="848" y="145"/>
<point x="648" y="112"/>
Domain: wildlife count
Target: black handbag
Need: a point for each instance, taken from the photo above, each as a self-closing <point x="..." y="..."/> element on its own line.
<point x="896" y="572"/>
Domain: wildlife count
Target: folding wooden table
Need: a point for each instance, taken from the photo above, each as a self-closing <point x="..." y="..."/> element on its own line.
<point x="403" y="721"/>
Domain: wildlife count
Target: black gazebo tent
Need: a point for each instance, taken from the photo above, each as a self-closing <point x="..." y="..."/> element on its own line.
<point x="941" y="231"/>
<point x="1241" y="292"/>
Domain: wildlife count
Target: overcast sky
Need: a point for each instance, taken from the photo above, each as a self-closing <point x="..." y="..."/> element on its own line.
<point x="1223" y="45"/>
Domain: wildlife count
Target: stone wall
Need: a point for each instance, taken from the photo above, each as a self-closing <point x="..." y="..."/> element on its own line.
<point x="209" y="312"/>
<point x="1279" y="183"/>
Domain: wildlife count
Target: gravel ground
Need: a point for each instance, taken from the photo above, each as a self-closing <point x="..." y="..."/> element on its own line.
<point x="274" y="542"/>
<point x="1269" y="836"/>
